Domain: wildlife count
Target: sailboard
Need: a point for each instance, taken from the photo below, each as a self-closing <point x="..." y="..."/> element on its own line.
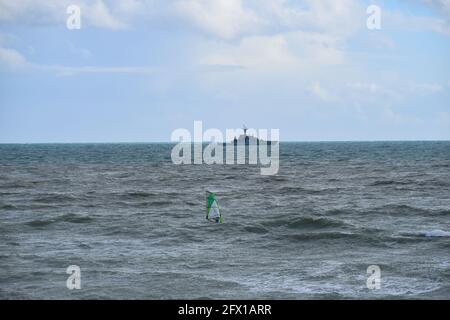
<point x="213" y="210"/>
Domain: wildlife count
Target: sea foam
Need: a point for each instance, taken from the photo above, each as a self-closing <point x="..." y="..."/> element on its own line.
<point x="436" y="233"/>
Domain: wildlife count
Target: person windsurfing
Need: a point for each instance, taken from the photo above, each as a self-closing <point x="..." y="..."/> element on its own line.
<point x="213" y="210"/>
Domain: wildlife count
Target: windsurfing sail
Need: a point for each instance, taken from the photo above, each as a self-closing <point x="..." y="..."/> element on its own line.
<point x="213" y="211"/>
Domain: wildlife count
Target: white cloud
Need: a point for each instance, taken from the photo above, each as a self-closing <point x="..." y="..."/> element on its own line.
<point x="257" y="51"/>
<point x="95" y="13"/>
<point x="367" y="92"/>
<point x="442" y="5"/>
<point x="99" y="15"/>
<point x="11" y="59"/>
<point x="222" y="18"/>
<point x="336" y="16"/>
<point x="392" y="116"/>
<point x="414" y="23"/>
<point x="319" y="92"/>
<point x="424" y="88"/>
<point x="70" y="71"/>
<point x="226" y="19"/>
<point x="82" y="52"/>
<point x="281" y="52"/>
<point x="131" y="7"/>
<point x="390" y="92"/>
<point x="371" y="88"/>
<point x="30" y="12"/>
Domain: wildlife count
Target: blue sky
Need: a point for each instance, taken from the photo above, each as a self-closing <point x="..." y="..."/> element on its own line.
<point x="137" y="70"/>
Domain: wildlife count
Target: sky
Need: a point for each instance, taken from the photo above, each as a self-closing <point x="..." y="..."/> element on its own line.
<point x="137" y="70"/>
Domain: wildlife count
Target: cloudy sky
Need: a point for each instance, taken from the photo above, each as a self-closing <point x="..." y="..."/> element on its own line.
<point x="139" y="69"/>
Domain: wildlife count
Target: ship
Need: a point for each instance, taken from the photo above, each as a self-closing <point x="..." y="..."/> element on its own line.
<point x="245" y="139"/>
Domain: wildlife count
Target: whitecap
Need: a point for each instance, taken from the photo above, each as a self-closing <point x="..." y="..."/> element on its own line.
<point x="437" y="233"/>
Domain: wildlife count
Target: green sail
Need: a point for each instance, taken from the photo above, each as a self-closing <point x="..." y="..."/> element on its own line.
<point x="213" y="211"/>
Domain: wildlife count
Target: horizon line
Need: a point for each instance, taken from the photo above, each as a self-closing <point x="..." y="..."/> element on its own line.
<point x="176" y="142"/>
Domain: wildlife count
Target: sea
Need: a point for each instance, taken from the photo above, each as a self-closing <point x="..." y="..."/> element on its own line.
<point x="134" y="223"/>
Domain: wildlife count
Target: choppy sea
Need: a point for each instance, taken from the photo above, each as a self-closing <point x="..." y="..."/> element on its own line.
<point x="135" y="223"/>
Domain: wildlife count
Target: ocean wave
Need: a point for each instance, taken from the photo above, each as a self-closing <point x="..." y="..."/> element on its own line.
<point x="441" y="165"/>
<point x="39" y="223"/>
<point x="74" y="218"/>
<point x="292" y="189"/>
<point x="70" y="217"/>
<point x="140" y="194"/>
<point x="304" y="222"/>
<point x="362" y="236"/>
<point x="162" y="203"/>
<point x="18" y="185"/>
<point x="403" y="209"/>
<point x="421" y="236"/>
<point x="256" y="229"/>
<point x="337" y="212"/>
<point x="7" y="206"/>
<point x="398" y="209"/>
<point x="412" y="183"/>
<point x="55" y="198"/>
<point x="436" y="233"/>
<point x="333" y="235"/>
<point x="273" y="179"/>
<point x="296" y="189"/>
<point x="389" y="182"/>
